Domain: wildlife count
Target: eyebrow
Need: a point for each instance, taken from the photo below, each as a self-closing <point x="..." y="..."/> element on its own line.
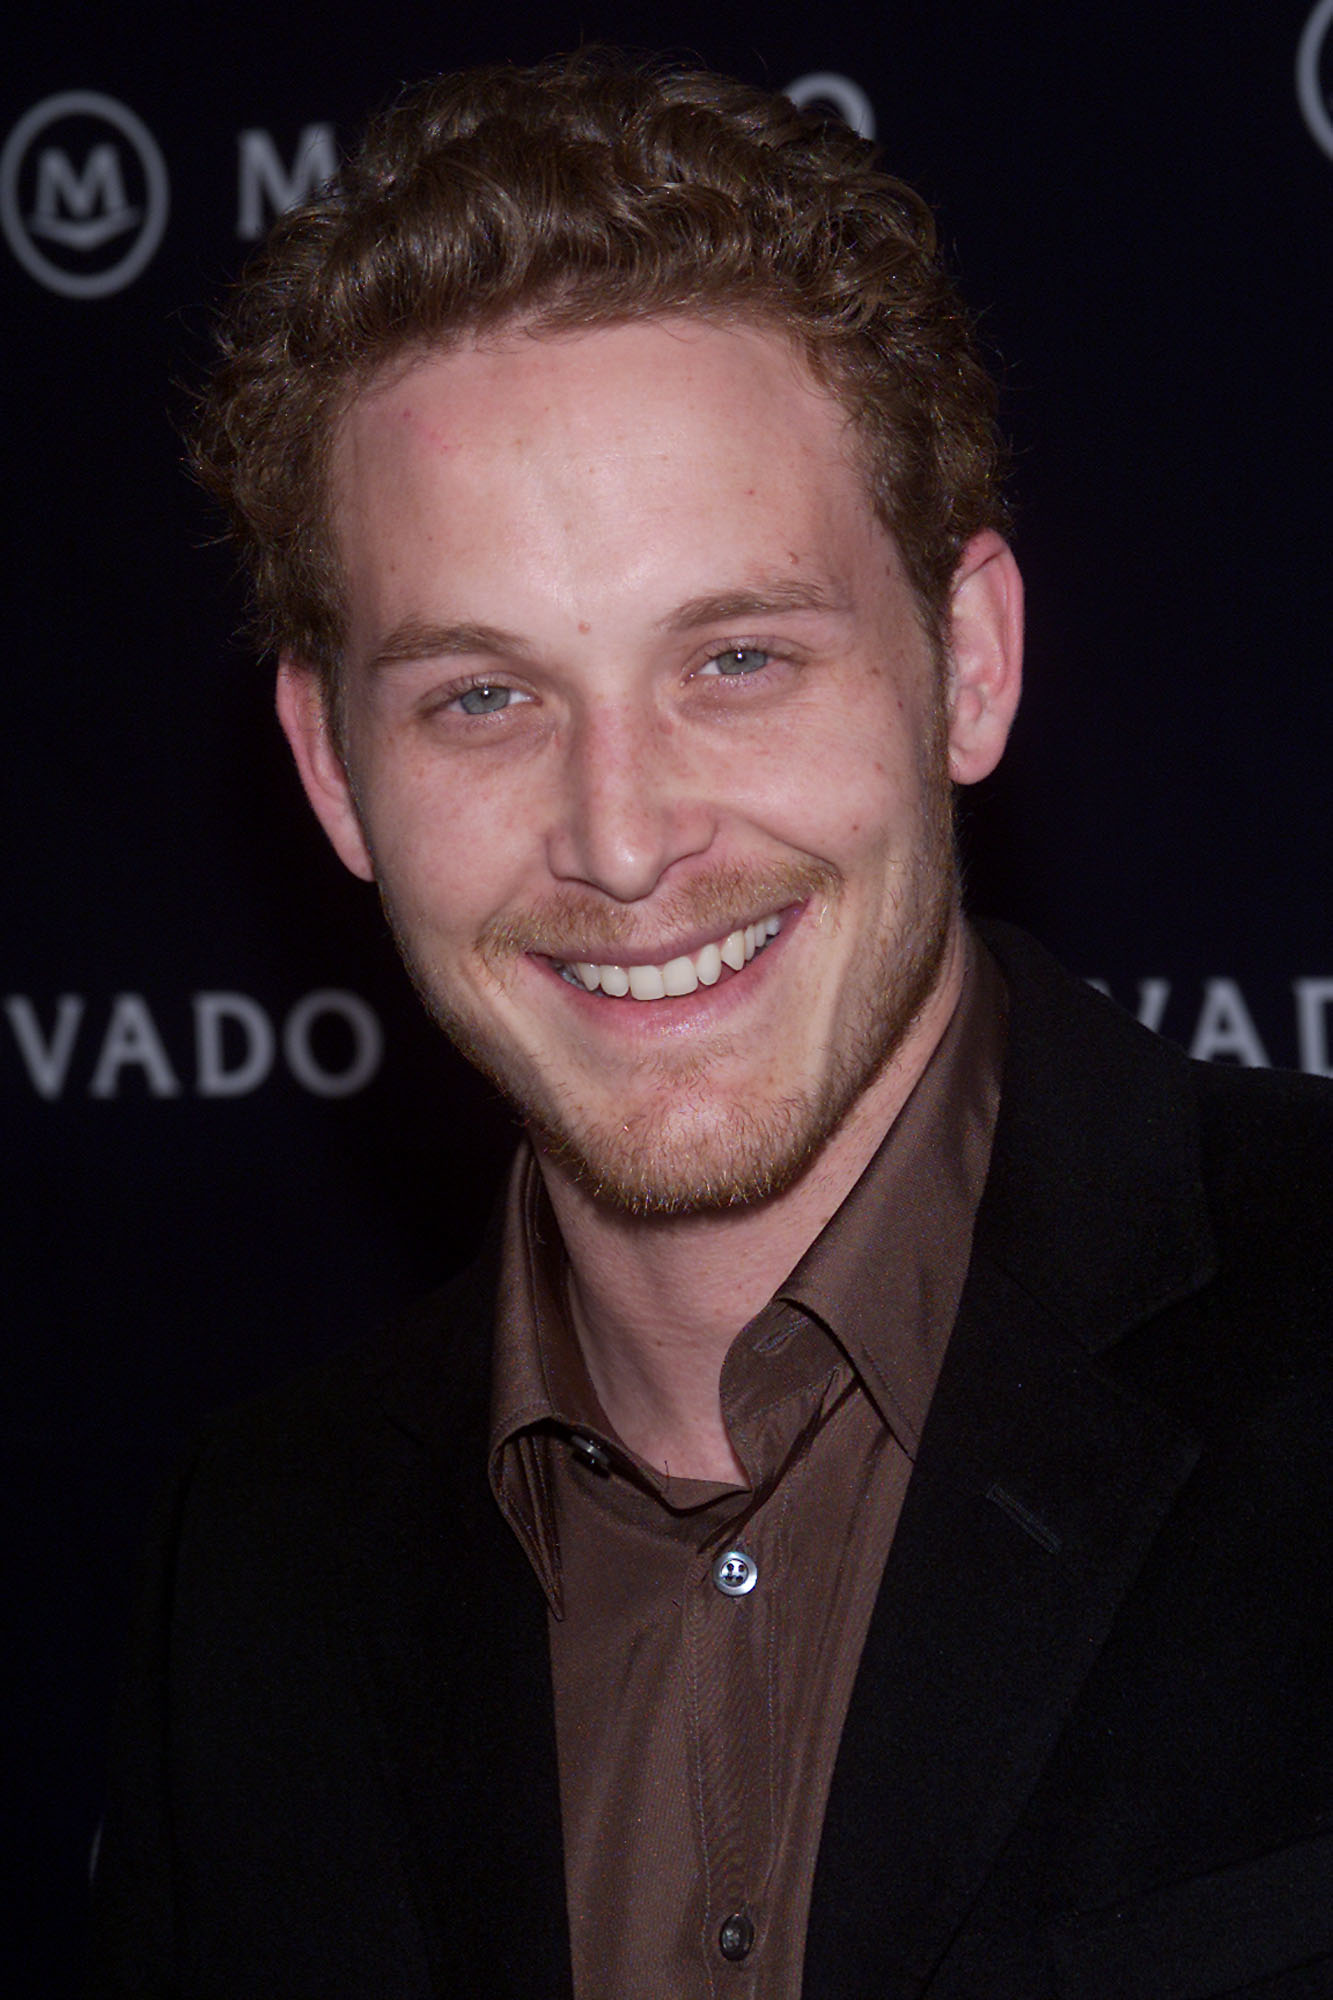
<point x="416" y="640"/>
<point x="765" y="600"/>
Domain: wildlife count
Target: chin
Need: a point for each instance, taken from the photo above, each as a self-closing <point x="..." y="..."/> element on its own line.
<point x="697" y="1161"/>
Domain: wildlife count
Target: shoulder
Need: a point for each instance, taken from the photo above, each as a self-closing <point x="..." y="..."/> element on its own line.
<point x="1125" y="1172"/>
<point x="1266" y="1160"/>
<point x="1267" y="1135"/>
<point x="373" y="1417"/>
<point x="1060" y="1023"/>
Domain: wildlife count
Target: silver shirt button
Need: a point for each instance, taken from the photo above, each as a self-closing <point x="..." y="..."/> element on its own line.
<point x="736" y="1937"/>
<point x="590" y="1453"/>
<point x="735" y="1574"/>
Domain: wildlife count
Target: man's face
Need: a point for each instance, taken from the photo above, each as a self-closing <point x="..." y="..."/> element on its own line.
<point x="645" y="745"/>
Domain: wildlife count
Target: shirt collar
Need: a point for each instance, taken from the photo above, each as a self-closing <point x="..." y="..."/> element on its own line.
<point x="539" y="1384"/>
<point x="886" y="1274"/>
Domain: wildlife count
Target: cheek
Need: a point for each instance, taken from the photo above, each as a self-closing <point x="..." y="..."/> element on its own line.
<point x="857" y="800"/>
<point x="447" y="859"/>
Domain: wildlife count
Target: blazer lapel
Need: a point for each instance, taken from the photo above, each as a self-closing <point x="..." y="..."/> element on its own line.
<point x="456" y="1670"/>
<point x="1039" y="1486"/>
<point x="1038" y="1489"/>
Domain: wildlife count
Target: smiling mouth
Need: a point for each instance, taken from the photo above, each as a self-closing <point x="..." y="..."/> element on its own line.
<point x="674" y="976"/>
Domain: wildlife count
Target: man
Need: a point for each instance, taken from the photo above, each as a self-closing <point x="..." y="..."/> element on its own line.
<point x="860" y="1529"/>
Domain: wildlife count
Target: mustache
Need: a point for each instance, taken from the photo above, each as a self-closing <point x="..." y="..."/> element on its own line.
<point x="578" y="923"/>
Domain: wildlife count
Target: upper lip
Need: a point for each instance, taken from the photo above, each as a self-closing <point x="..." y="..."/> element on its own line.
<point x="684" y="946"/>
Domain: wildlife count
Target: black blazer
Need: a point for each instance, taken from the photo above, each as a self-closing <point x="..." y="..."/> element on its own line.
<point x="1088" y="1754"/>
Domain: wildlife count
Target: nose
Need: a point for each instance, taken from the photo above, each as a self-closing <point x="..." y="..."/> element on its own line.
<point x="631" y="804"/>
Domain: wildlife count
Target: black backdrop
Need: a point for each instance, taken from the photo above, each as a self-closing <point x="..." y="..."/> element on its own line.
<point x="206" y="1191"/>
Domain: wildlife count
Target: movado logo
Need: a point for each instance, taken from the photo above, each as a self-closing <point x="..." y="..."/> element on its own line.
<point x="1313" y="59"/>
<point x="84" y="195"/>
<point x="330" y="1041"/>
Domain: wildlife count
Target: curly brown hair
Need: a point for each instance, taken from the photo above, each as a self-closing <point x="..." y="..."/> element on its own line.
<point x="581" y="192"/>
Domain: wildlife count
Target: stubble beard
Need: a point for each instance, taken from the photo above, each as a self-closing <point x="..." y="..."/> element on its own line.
<point x="708" y="1153"/>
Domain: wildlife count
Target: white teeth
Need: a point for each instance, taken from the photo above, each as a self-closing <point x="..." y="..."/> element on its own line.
<point x="646" y="982"/>
<point x="677" y="976"/>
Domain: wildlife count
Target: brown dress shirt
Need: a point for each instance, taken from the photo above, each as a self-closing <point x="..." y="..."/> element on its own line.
<point x="704" y="1637"/>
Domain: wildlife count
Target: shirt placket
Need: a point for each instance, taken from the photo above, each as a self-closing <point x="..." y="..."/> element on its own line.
<point x="733" y="1598"/>
<point x="735" y="1613"/>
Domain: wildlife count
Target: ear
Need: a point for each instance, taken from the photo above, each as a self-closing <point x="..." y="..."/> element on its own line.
<point x="303" y="711"/>
<point x="986" y="656"/>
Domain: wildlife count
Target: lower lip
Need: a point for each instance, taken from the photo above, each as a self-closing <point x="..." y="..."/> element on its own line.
<point x="676" y="1013"/>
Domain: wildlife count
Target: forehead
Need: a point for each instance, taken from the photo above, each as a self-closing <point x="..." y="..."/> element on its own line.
<point x="680" y="350"/>
<point x="654" y="457"/>
<point x="593" y="397"/>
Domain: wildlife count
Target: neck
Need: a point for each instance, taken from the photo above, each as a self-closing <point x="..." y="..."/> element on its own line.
<point x="657" y="1368"/>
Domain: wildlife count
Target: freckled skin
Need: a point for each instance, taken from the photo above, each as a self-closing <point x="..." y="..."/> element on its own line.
<point x="628" y="791"/>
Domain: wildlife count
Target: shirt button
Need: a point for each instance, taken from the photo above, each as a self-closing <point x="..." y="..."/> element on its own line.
<point x="590" y="1453"/>
<point x="735" y="1575"/>
<point x="736" y="1936"/>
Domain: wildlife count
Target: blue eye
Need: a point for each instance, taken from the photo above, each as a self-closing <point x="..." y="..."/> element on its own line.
<point x="739" y="660"/>
<point x="485" y="699"/>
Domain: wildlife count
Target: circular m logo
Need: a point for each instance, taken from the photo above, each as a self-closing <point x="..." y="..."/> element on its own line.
<point x="827" y="87"/>
<point x="83" y="194"/>
<point x="1313" y="58"/>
